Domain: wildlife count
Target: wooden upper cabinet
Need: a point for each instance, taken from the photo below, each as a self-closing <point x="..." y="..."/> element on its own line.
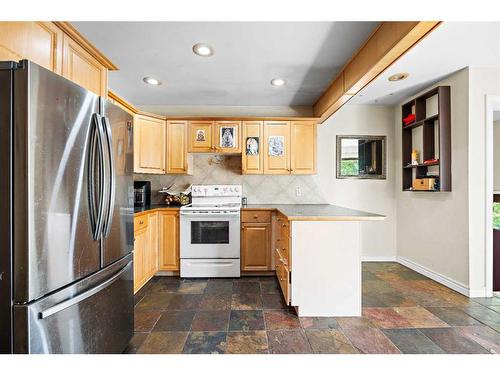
<point x="169" y="241"/>
<point x="40" y="42"/>
<point x="177" y="143"/>
<point x="252" y="157"/>
<point x="303" y="147"/>
<point x="227" y="137"/>
<point x="149" y="145"/>
<point x="276" y="147"/>
<point x="59" y="47"/>
<point x="82" y="68"/>
<point x="200" y="136"/>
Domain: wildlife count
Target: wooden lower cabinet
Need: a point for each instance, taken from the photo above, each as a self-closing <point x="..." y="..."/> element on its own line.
<point x="168" y="256"/>
<point x="283" y="275"/>
<point x="151" y="256"/>
<point x="140" y="241"/>
<point x="282" y="255"/>
<point x="156" y="245"/>
<point x="256" y="235"/>
<point x="256" y="247"/>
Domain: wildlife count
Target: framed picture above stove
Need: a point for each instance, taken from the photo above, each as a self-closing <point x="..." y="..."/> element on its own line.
<point x="252" y="146"/>
<point x="276" y="145"/>
<point x="227" y="137"/>
<point x="361" y="156"/>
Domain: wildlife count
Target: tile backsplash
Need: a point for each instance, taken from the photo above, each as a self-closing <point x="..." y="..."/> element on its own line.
<point x="225" y="169"/>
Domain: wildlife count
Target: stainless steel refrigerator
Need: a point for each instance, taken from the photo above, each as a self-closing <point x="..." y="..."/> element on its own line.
<point x="66" y="216"/>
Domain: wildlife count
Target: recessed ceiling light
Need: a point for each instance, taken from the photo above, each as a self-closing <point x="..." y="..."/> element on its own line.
<point x="202" y="49"/>
<point x="398" y="77"/>
<point x="278" y="82"/>
<point x="151" y="81"/>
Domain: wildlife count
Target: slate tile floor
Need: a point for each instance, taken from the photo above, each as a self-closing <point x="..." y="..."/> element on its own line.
<point x="403" y="312"/>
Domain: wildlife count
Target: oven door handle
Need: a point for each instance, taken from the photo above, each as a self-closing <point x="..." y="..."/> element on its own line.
<point x="236" y="213"/>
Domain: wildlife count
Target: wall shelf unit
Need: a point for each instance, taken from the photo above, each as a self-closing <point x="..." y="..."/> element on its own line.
<point x="430" y="135"/>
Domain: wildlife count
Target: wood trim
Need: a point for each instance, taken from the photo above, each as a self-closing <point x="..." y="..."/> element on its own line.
<point x="118" y="99"/>
<point x="388" y="42"/>
<point x="74" y="34"/>
<point x="243" y="118"/>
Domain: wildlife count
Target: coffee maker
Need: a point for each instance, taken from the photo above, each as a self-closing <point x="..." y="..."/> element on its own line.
<point x="142" y="193"/>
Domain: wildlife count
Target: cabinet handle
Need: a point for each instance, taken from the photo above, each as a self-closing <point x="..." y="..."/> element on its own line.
<point x="255" y="217"/>
<point x="141" y="222"/>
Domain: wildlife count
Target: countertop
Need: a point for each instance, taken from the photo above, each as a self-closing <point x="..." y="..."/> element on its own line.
<point x="139" y="210"/>
<point x="298" y="212"/>
<point x="317" y="212"/>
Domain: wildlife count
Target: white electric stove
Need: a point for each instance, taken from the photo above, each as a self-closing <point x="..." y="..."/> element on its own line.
<point x="210" y="232"/>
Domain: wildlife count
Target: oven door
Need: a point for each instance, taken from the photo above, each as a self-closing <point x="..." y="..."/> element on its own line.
<point x="206" y="235"/>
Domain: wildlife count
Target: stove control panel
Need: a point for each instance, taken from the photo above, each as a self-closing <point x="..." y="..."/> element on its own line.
<point x="216" y="191"/>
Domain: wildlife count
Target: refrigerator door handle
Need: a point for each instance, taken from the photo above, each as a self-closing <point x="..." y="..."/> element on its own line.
<point x="80" y="297"/>
<point x="91" y="177"/>
<point x="112" y="182"/>
<point x="102" y="177"/>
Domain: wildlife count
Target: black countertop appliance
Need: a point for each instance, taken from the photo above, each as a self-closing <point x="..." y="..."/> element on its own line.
<point x="142" y="193"/>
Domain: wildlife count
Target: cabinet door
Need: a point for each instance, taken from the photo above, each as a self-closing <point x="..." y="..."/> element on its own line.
<point x="252" y="157"/>
<point x="80" y="67"/>
<point x="276" y="147"/>
<point x="151" y="251"/>
<point x="149" y="145"/>
<point x="227" y="137"/>
<point x="40" y="42"/>
<point x="200" y="136"/>
<point x="169" y="241"/>
<point x="303" y="147"/>
<point x="255" y="247"/>
<point x="177" y="155"/>
<point x="140" y="243"/>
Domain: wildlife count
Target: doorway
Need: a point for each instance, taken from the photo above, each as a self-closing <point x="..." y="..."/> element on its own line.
<point x="496" y="202"/>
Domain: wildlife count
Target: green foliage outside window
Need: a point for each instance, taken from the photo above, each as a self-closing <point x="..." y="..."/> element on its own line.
<point x="349" y="167"/>
<point x="496" y="215"/>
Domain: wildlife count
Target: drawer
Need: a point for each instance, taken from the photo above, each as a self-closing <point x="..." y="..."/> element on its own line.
<point x="140" y="222"/>
<point x="283" y="275"/>
<point x="285" y="252"/>
<point x="257" y="216"/>
<point x="285" y="230"/>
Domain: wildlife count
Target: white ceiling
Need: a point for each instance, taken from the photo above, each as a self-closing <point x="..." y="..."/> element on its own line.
<point x="247" y="56"/>
<point x="449" y="48"/>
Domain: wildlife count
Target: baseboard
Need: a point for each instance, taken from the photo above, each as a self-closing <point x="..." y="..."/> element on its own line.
<point x="450" y="283"/>
<point x="379" y="259"/>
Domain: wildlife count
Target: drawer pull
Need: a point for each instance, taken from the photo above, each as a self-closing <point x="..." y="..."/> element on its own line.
<point x="141" y="222"/>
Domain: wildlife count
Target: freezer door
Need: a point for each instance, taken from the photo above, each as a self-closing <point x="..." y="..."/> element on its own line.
<point x="94" y="315"/>
<point x="53" y="244"/>
<point x="118" y="226"/>
<point x="5" y="209"/>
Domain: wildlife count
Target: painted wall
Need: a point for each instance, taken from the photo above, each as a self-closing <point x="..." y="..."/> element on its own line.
<point x="496" y="155"/>
<point x="378" y="239"/>
<point x="482" y="81"/>
<point x="432" y="228"/>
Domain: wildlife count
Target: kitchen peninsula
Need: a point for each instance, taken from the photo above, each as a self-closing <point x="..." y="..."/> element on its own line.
<point x="319" y="278"/>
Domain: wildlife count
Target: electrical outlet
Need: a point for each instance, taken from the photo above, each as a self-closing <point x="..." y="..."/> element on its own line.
<point x="298" y="192"/>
